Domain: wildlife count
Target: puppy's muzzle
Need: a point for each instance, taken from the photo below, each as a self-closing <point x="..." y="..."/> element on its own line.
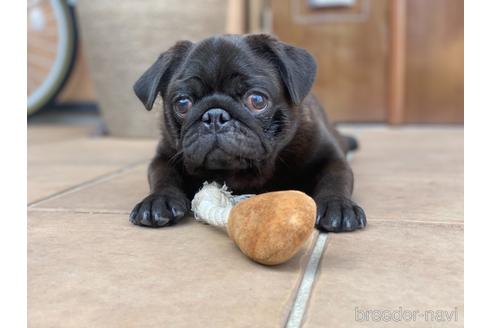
<point x="216" y="119"/>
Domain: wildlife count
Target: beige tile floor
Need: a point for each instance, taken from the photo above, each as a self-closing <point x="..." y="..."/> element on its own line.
<point x="89" y="267"/>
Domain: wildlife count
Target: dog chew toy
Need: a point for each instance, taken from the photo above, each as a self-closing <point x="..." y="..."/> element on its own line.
<point x="269" y="228"/>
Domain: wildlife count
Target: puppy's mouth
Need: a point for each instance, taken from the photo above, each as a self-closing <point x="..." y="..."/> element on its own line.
<point x="218" y="159"/>
<point x="229" y="151"/>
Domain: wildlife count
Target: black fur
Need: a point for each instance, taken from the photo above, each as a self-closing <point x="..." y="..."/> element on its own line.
<point x="288" y="145"/>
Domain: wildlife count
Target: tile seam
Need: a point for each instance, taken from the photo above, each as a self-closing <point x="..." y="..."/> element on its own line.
<point x="303" y="292"/>
<point x="126" y="212"/>
<point x="76" y="210"/>
<point x="409" y="221"/>
<point x="99" y="179"/>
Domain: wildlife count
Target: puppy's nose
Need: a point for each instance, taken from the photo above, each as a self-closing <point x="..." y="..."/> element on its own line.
<point x="216" y="117"/>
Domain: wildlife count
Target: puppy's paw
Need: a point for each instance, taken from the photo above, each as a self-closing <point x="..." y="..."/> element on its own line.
<point x="160" y="210"/>
<point x="339" y="215"/>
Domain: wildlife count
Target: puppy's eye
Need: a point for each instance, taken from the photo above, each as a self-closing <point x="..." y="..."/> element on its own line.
<point x="182" y="105"/>
<point x="256" y="102"/>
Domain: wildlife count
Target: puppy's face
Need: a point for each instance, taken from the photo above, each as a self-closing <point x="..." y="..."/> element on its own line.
<point x="231" y="102"/>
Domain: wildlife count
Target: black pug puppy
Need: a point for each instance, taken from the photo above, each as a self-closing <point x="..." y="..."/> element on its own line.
<point x="237" y="110"/>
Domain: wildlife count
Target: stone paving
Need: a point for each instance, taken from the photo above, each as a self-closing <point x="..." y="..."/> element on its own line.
<point x="89" y="267"/>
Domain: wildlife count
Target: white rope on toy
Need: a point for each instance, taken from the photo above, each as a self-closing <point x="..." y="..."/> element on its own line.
<point x="213" y="203"/>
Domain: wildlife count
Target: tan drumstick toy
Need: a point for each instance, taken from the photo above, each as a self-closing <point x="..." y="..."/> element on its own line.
<point x="268" y="228"/>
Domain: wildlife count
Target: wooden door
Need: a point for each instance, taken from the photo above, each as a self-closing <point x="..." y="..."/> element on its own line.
<point x="396" y="61"/>
<point x="434" y="62"/>
<point x="350" y="45"/>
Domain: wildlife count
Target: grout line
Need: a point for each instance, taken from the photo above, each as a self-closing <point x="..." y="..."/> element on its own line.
<point x="304" y="291"/>
<point x="92" y="182"/>
<point x="76" y="210"/>
<point x="104" y="211"/>
<point x="298" y="308"/>
<point x="409" y="221"/>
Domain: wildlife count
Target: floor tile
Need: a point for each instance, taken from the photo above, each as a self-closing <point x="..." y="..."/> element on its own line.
<point x="92" y="151"/>
<point x="100" y="271"/>
<point x="419" y="151"/>
<point x="118" y="194"/>
<point x="56" y="166"/>
<point x="388" y="266"/>
<point x="410" y="174"/>
<point x="44" y="180"/>
<point x="422" y="198"/>
<point x="42" y="134"/>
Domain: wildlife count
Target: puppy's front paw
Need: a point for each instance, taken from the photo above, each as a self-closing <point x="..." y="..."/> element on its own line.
<point x="160" y="210"/>
<point x="339" y="214"/>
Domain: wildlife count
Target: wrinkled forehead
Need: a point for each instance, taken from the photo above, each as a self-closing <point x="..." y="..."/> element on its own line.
<point x="220" y="60"/>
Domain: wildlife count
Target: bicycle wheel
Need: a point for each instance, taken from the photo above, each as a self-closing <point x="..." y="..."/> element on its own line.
<point x="51" y="48"/>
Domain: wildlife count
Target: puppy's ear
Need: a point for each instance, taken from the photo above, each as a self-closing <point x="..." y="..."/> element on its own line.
<point x="297" y="67"/>
<point x="157" y="76"/>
